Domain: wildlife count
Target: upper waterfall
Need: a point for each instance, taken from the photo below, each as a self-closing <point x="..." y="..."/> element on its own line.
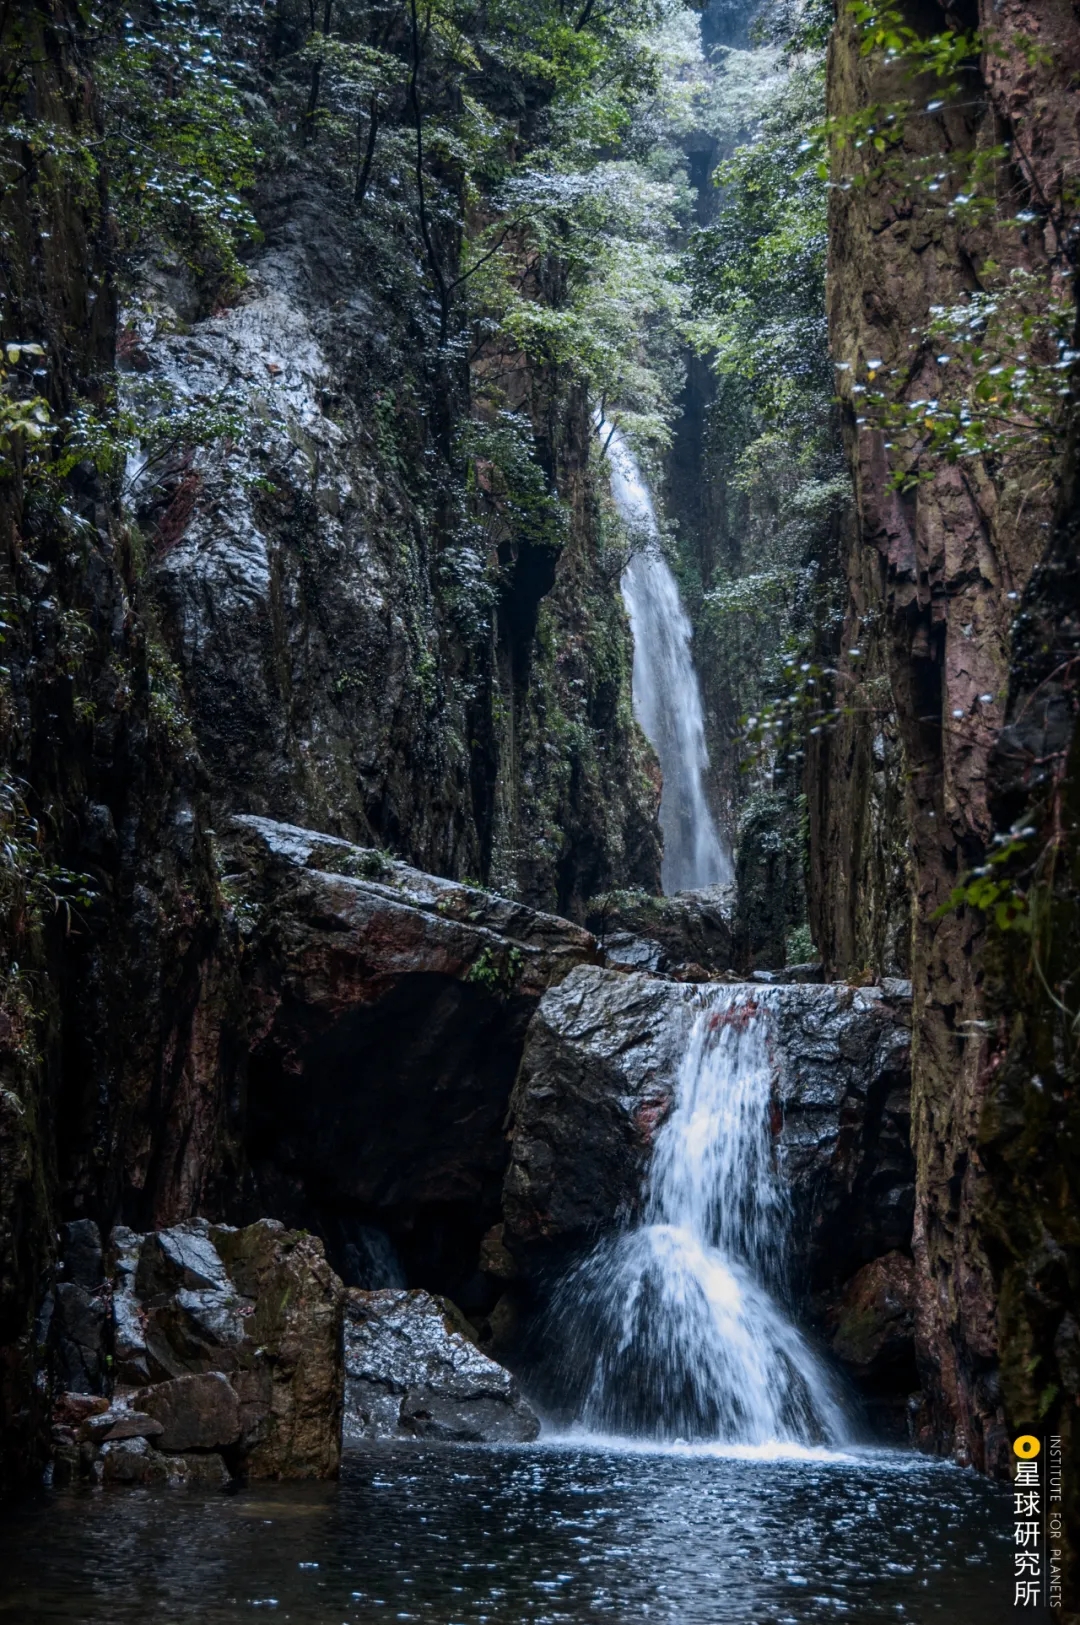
<point x="667" y="698"/>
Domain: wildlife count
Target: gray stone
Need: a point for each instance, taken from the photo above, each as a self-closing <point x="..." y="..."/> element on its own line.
<point x="120" y="1422"/>
<point x="410" y="1372"/>
<point x="81" y="1254"/>
<point x="78" y="1329"/>
<point x="131" y="1461"/>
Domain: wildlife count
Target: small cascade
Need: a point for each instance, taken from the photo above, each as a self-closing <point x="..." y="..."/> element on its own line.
<point x="667" y="699"/>
<point x="676" y="1328"/>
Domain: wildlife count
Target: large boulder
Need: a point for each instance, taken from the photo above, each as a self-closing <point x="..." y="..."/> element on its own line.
<point x="413" y="1371"/>
<point x="388" y="1011"/>
<point x="226" y="1341"/>
<point x="596" y="1082"/>
<point x="869" y="1325"/>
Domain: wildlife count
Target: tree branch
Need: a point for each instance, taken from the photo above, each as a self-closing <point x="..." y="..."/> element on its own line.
<point x="425" y="228"/>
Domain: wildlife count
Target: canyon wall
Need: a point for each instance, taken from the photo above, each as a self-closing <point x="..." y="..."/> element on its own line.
<point x="937" y="573"/>
<point x="334" y="612"/>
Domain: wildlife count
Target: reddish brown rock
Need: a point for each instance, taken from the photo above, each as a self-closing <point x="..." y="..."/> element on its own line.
<point x="198" y="1412"/>
<point x="899" y="795"/>
<point x="873" y="1325"/>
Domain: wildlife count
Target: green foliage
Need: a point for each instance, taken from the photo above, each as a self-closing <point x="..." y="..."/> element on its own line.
<point x="24" y="414"/>
<point x="757" y="279"/>
<point x="1001" y="355"/>
<point x="496" y="972"/>
<point x="31" y="887"/>
<point x="179" y="145"/>
<point x="996" y="888"/>
<point x="510" y="489"/>
<point x="1009" y="351"/>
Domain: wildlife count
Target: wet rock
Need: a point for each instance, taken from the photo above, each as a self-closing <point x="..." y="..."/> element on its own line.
<point x="243" y="1328"/>
<point x="78" y="1330"/>
<point x="130" y="1359"/>
<point x="71" y="1410"/>
<point x="873" y="1323"/>
<point x="595" y="1085"/>
<point x="411" y="1372"/>
<point x="205" y="1471"/>
<point x="81" y="1256"/>
<point x="120" y="1422"/>
<point x="199" y="1412"/>
<point x="637" y="931"/>
<point x="132" y="1461"/>
<point x="289" y="1378"/>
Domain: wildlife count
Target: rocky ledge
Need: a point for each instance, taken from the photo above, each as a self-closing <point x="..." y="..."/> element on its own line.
<point x="387" y="1011"/>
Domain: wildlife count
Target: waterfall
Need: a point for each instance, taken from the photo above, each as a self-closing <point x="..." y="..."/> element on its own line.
<point x="667" y="698"/>
<point x="675" y="1329"/>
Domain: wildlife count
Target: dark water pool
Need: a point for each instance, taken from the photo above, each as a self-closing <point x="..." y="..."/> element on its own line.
<point x="540" y="1534"/>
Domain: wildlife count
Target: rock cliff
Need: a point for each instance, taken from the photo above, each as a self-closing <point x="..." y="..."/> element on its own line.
<point x="289" y="614"/>
<point x="936" y="572"/>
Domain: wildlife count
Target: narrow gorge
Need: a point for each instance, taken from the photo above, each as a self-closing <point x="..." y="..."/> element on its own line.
<point x="539" y="611"/>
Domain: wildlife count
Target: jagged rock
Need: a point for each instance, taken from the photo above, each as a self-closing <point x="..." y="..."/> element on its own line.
<point x="289" y="1379"/>
<point x="197" y="1412"/>
<point x="130" y="1360"/>
<point x="244" y="1328"/>
<point x="389" y="1008"/>
<point x="71" y="1410"/>
<point x="637" y="931"/>
<point x="78" y="1330"/>
<point x="595" y="1084"/>
<point x="81" y="1258"/>
<point x="412" y="1372"/>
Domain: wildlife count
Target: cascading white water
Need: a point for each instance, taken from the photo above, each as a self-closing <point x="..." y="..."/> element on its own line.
<point x="675" y="1328"/>
<point x="667" y="699"/>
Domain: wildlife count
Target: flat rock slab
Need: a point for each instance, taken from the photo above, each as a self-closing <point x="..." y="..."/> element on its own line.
<point x="412" y="1372"/>
<point x="596" y="1082"/>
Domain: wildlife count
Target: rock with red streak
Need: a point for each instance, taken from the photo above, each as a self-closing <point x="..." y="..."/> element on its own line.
<point x="598" y="1076"/>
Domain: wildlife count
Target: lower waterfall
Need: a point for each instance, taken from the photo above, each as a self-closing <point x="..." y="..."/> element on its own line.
<point x="675" y="1329"/>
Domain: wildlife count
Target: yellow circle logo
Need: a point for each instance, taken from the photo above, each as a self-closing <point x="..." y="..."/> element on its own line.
<point x="1027" y="1447"/>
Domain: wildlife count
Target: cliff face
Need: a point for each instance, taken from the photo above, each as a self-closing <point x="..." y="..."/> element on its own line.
<point x="116" y="1012"/>
<point x="366" y="646"/>
<point x="334" y="612"/>
<point x="935" y="576"/>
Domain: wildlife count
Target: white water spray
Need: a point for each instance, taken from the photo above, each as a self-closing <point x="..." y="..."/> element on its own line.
<point x="675" y="1329"/>
<point x="667" y="699"/>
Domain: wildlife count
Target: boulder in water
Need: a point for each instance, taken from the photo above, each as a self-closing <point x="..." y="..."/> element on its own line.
<point x="412" y="1371"/>
<point x="226" y="1341"/>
